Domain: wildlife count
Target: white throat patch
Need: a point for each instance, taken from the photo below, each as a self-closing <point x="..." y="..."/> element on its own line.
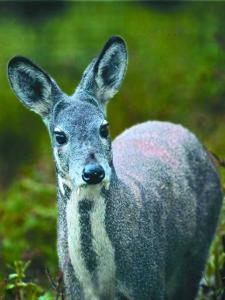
<point x="105" y="268"/>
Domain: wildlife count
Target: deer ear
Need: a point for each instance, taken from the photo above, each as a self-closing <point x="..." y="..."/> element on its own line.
<point x="110" y="68"/>
<point x="32" y="85"/>
<point x="104" y="75"/>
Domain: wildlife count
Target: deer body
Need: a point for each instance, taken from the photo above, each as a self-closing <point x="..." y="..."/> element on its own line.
<point x="135" y="218"/>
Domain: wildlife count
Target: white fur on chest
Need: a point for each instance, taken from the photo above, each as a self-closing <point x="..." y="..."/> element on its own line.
<point x="101" y="244"/>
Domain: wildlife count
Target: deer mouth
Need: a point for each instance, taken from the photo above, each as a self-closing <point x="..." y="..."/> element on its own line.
<point x="87" y="191"/>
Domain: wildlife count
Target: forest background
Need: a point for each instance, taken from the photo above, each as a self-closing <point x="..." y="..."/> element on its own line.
<point x="176" y="73"/>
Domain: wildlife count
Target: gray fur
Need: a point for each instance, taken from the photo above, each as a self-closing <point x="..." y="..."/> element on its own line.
<point x="152" y="218"/>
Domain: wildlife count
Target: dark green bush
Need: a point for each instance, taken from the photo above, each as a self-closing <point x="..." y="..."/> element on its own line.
<point x="28" y="226"/>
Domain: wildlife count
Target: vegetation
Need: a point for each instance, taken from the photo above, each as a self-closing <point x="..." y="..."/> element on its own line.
<point x="176" y="73"/>
<point x="16" y="287"/>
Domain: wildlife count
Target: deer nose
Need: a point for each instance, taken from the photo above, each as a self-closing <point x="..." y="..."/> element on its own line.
<point x="93" y="173"/>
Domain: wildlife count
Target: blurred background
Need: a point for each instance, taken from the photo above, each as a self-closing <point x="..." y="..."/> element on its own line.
<point x="176" y="73"/>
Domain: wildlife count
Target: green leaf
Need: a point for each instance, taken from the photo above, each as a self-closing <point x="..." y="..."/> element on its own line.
<point x="10" y="286"/>
<point x="46" y="296"/>
<point x="13" y="276"/>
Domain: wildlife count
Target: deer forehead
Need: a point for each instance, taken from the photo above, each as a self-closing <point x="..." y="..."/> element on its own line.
<point x="73" y="117"/>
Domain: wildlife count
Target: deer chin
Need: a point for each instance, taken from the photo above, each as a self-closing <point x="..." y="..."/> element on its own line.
<point x="84" y="190"/>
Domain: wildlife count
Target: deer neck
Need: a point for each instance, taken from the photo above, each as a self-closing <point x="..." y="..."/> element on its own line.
<point x="90" y="249"/>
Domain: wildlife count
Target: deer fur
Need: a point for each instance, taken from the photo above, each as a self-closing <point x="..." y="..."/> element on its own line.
<point x="144" y="232"/>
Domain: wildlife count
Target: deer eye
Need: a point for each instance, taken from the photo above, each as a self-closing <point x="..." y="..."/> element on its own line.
<point x="104" y="130"/>
<point x="60" y="137"/>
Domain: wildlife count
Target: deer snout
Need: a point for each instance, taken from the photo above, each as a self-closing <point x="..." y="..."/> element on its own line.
<point x="93" y="173"/>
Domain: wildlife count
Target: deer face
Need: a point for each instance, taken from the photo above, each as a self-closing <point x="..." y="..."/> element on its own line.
<point x="81" y="142"/>
<point x="77" y="124"/>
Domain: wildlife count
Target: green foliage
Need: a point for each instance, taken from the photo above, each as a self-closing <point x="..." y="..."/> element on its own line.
<point x="16" y="287"/>
<point x="28" y="224"/>
<point x="176" y="73"/>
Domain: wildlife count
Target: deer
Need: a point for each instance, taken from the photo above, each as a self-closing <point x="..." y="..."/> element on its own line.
<point x="136" y="216"/>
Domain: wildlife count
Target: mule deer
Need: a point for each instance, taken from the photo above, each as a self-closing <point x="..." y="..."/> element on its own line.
<point x="135" y="218"/>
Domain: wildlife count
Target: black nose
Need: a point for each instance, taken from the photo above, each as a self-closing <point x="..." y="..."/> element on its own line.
<point x="93" y="173"/>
